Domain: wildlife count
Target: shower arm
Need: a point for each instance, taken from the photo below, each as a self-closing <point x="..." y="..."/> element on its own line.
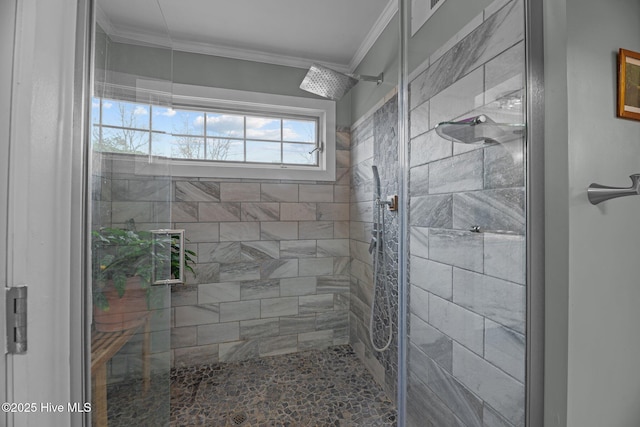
<point x="378" y="79"/>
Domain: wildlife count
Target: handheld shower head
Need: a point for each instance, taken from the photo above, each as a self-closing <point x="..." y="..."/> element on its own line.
<point x="376" y="178"/>
<point x="332" y="84"/>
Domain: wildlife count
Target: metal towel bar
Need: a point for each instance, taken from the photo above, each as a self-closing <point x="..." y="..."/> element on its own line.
<point x="599" y="193"/>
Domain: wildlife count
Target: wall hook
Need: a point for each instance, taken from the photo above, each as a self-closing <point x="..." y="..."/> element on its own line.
<point x="599" y="193"/>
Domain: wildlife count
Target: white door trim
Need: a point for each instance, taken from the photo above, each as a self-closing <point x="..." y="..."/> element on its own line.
<point x="45" y="208"/>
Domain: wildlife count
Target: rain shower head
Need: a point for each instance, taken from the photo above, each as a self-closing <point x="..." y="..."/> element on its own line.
<point x="332" y="84"/>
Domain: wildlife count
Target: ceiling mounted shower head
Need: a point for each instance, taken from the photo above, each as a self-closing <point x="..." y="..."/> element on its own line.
<point x="332" y="84"/>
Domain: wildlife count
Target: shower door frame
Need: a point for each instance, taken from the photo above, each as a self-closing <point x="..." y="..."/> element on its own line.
<point x="535" y="231"/>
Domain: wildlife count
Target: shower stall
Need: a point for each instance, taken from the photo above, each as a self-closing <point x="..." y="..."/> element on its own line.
<point x="312" y="246"/>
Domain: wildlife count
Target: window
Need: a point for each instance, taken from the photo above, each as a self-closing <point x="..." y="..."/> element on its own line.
<point x="243" y="135"/>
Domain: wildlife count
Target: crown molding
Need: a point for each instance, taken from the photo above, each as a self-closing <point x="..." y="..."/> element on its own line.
<point x="378" y="27"/>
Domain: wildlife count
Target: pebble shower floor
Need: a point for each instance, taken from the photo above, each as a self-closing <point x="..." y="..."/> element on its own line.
<point x="315" y="388"/>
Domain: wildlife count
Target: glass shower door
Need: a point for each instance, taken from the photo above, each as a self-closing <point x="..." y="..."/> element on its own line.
<point x="136" y="255"/>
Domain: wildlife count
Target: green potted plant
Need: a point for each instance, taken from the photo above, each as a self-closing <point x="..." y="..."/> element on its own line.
<point x="123" y="268"/>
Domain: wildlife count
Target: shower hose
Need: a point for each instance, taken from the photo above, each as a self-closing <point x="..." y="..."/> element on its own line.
<point x="380" y="231"/>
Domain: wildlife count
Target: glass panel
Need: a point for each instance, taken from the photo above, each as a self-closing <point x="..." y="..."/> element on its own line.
<point x="187" y="147"/>
<point x="188" y="122"/>
<point x="222" y="149"/>
<point x="125" y="114"/>
<point x="228" y="125"/>
<point x="299" y="154"/>
<point x="263" y="128"/>
<point x="95" y="110"/>
<point x="161" y="144"/>
<point x="263" y="152"/>
<point x="162" y="120"/>
<point x="299" y="130"/>
<point x="122" y="140"/>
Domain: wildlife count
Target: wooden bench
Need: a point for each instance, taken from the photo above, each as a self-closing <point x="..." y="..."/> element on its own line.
<point x="104" y="345"/>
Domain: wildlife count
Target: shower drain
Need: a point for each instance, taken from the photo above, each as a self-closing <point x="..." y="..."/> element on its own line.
<point x="239" y="419"/>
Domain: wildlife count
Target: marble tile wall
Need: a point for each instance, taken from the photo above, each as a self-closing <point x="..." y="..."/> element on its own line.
<point x="467" y="290"/>
<point x="273" y="267"/>
<point x="374" y="142"/>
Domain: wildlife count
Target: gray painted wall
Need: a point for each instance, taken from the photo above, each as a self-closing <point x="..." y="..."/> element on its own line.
<point x="592" y="283"/>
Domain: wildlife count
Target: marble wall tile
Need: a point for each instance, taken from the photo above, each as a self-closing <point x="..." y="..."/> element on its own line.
<point x="471" y="25"/>
<point x="316" y="229"/>
<point x="455" y="395"/>
<point x="316" y="193"/>
<point x="219" y="212"/>
<point x="362" y="271"/>
<point x="492" y="385"/>
<point x="274" y="346"/>
<point x="362" y="151"/>
<point x="239" y="271"/>
<point x="499" y="300"/>
<point x="419" y="302"/>
<point x="315" y="266"/>
<point x="241" y="310"/>
<point x="260" y="211"/>
<point x="279" y="192"/>
<point x="429" y="147"/>
<point x="259" y="328"/>
<point x="196" y="315"/>
<point x="297" y="324"/>
<point x="361" y="131"/>
<point x="149" y="190"/>
<point x="260" y="250"/>
<point x="462" y="325"/>
<point x="459" y="248"/>
<point x="225" y="252"/>
<point x="279" y="230"/>
<point x="210" y="293"/>
<point x="333" y="211"/>
<point x="276" y="307"/>
<point x="200" y="232"/>
<point x="419" y="241"/>
<point x="297" y="211"/>
<point x="417" y="364"/>
<point x="297" y="249"/>
<point x="240" y="192"/>
<point x="362" y="173"/>
<point x="239" y="350"/>
<point x="504" y="166"/>
<point x="279" y="268"/>
<point x="432" y="342"/>
<point x="239" y="231"/>
<point x="494" y="7"/>
<point x="258" y="289"/>
<point x="457" y="173"/>
<point x="341" y="266"/>
<point x="362" y="211"/>
<point x="122" y="212"/>
<point x="341" y="193"/>
<point x="419" y="120"/>
<point x="360" y="231"/>
<point x="432" y="211"/>
<point x="218" y="332"/>
<point x="341" y="302"/>
<point x="495" y="34"/>
<point x="504" y="256"/>
<point x="332" y="320"/>
<point x="333" y="247"/>
<point x="505" y="73"/>
<point x="197" y="191"/>
<point x="342" y="177"/>
<point x="419" y="181"/>
<point x="343" y="139"/>
<point x="332" y="284"/>
<point x="505" y="349"/>
<point x="425" y="409"/>
<point x="207" y="272"/>
<point x="315" y="303"/>
<point x="431" y="276"/>
<point x="184" y="295"/>
<point x="316" y="340"/>
<point x="491" y="418"/>
<point x="461" y="97"/>
<point x="298" y="286"/>
<point x="184" y="337"/>
<point x="490" y="209"/>
<point x="195" y="356"/>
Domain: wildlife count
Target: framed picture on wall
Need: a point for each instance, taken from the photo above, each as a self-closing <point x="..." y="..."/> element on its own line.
<point x="629" y="84"/>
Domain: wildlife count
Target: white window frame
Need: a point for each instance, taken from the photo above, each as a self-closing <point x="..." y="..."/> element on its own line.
<point x="254" y="102"/>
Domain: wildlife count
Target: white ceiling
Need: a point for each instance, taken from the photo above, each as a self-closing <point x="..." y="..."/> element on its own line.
<point x="336" y="33"/>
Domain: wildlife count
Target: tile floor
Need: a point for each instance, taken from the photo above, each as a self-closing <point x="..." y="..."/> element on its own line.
<point x="315" y="388"/>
